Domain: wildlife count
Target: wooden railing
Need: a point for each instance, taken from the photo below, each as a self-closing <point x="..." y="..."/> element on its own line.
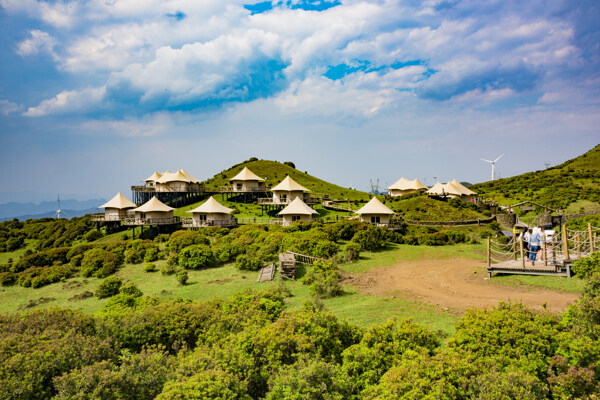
<point x="272" y="201"/>
<point x="151" y="221"/>
<point x="269" y="221"/>
<point x="191" y="223"/>
<point x="303" y="258"/>
<point x="100" y="217"/>
<point x="230" y="189"/>
<point x="172" y="189"/>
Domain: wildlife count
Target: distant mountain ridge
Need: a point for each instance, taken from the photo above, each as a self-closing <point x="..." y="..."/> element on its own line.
<point x="47" y="208"/>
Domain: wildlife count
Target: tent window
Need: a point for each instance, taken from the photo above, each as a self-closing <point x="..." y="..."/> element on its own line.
<point x="375" y="220"/>
<point x="202" y="217"/>
<point x="295" y="218"/>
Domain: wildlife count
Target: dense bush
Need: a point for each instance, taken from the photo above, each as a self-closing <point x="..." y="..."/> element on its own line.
<point x="587" y="266"/>
<point x="323" y="278"/>
<point x="99" y="263"/>
<point x="182" y="277"/>
<point x="109" y="287"/>
<point x="197" y="257"/>
<point x="247" y="263"/>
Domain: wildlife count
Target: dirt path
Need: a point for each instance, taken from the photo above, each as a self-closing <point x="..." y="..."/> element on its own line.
<point x="455" y="284"/>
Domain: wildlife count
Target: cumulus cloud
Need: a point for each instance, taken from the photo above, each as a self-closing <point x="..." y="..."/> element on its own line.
<point x="8" y="107"/>
<point x="69" y="102"/>
<point x="189" y="55"/>
<point x="40" y="42"/>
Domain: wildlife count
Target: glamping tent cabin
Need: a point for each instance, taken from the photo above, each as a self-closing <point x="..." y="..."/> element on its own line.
<point x="450" y="190"/>
<point x="210" y="213"/>
<point x="288" y="190"/>
<point x="179" y="181"/>
<point x="116" y="209"/>
<point x="404" y="186"/>
<point x="297" y="210"/>
<point x="375" y="212"/>
<point x="151" y="180"/>
<point x="247" y="181"/>
<point x="153" y="212"/>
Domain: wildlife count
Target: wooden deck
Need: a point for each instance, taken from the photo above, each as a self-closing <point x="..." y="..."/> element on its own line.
<point x="515" y="267"/>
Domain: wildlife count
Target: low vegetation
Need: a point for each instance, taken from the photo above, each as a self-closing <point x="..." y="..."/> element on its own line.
<point x="573" y="181"/>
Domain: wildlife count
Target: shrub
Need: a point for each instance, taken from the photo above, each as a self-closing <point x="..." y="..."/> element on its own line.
<point x="150" y="267"/>
<point x="99" y="263"/>
<point x="351" y="251"/>
<point x="151" y="254"/>
<point x="197" y="257"/>
<point x="587" y="266"/>
<point x="92" y="235"/>
<point x="246" y="262"/>
<point x="323" y="279"/>
<point x="182" y="276"/>
<point x="129" y="289"/>
<point x="168" y="269"/>
<point x="109" y="287"/>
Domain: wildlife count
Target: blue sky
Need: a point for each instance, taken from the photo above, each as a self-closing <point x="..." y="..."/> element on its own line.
<point x="95" y="95"/>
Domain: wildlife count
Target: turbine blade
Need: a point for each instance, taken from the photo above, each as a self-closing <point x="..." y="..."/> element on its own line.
<point x="483" y="159"/>
<point x="499" y="157"/>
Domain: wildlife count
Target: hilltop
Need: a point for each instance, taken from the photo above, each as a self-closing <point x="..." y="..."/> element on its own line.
<point x="275" y="172"/>
<point x="574" y="184"/>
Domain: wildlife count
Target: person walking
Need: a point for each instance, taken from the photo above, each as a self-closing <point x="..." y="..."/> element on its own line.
<point x="534" y="244"/>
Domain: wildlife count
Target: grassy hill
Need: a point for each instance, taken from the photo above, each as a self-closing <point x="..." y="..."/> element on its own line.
<point x="275" y="172"/>
<point x="573" y="185"/>
<point x="423" y="208"/>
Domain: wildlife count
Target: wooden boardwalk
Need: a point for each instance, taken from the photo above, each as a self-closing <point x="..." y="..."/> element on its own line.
<point x="516" y="267"/>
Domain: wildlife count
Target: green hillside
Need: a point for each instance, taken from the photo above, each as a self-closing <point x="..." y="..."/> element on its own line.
<point x="423" y="208"/>
<point x="275" y="172"/>
<point x="573" y="183"/>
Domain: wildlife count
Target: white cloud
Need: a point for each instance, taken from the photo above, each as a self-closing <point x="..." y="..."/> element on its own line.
<point x="69" y="102"/>
<point x="40" y="42"/>
<point x="148" y="126"/>
<point x="8" y="107"/>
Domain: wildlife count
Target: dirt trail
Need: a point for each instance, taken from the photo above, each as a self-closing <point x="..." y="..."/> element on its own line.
<point x="456" y="284"/>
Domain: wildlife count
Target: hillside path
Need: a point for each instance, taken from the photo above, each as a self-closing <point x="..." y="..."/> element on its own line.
<point x="455" y="284"/>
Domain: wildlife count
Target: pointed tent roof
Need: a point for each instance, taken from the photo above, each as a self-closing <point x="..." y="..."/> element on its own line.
<point x="119" y="201"/>
<point x="297" y="207"/>
<point x="374" y="206"/>
<point x="173" y="177"/>
<point x="190" y="177"/>
<point x="154" y="177"/>
<point x="405" y="184"/>
<point x="211" y="206"/>
<point x="246" y="175"/>
<point x="153" y="205"/>
<point x="289" y="185"/>
<point x="463" y="189"/>
<point x="437" y="189"/>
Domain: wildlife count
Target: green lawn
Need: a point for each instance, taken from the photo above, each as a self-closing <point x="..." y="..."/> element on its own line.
<point x="224" y="281"/>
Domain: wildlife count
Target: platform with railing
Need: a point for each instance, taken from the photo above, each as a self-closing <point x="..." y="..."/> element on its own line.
<point x="136" y="221"/>
<point x="192" y="223"/>
<point x="555" y="256"/>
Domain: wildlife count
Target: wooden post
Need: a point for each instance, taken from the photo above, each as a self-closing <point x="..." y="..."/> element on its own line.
<point x="577" y="246"/>
<point x="514" y="247"/>
<point x="544" y="256"/>
<point x="591" y="238"/>
<point x="553" y="250"/>
<point x="565" y="243"/>
<point x="489" y="251"/>
<point x="522" y="252"/>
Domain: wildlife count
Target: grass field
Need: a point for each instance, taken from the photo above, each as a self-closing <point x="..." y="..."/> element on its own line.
<point x="223" y="281"/>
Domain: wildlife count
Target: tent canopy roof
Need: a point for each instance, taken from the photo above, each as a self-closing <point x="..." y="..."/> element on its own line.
<point x="246" y="175"/>
<point x="173" y="177"/>
<point x="454" y="188"/>
<point x="374" y="206"/>
<point x="289" y="185"/>
<point x="154" y="177"/>
<point x="119" y="201"/>
<point x="405" y="184"/>
<point x="154" y="205"/>
<point x="297" y="207"/>
<point x="211" y="206"/>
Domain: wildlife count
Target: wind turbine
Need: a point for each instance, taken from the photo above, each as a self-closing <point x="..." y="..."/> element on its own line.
<point x="493" y="164"/>
<point x="59" y="211"/>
